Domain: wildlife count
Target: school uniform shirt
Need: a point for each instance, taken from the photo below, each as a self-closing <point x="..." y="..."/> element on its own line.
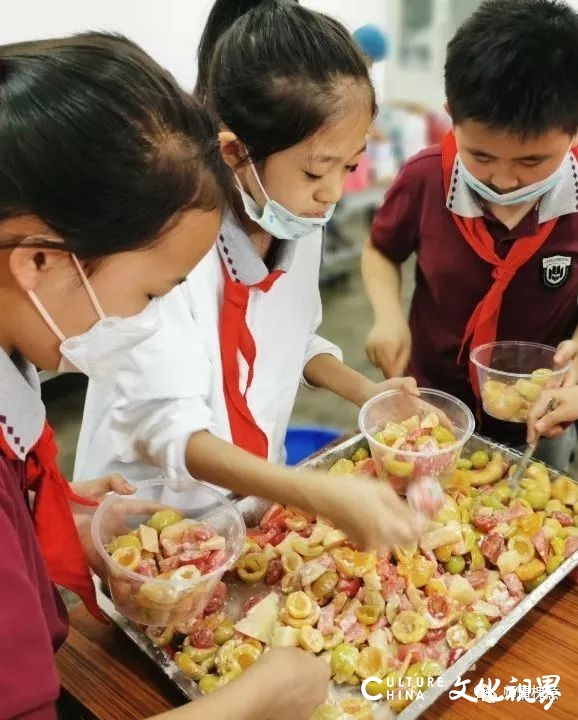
<point x="171" y="385"/>
<point x="33" y="620"/>
<point x="540" y="303"/>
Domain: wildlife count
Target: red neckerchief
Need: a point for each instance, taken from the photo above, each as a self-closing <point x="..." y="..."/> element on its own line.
<point x="53" y="519"/>
<point x="235" y="337"/>
<point x="482" y="327"/>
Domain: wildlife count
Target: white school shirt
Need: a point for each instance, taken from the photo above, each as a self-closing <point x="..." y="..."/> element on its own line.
<point x="170" y="386"/>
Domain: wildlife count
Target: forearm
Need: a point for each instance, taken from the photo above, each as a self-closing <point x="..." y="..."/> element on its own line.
<point x="243" y="700"/>
<point x="382" y="280"/>
<point x="219" y="462"/>
<point x="326" y="371"/>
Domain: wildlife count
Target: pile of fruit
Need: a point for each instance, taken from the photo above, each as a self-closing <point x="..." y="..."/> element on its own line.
<point x="404" y="616"/>
<point x="167" y="547"/>
<point x="511" y="401"/>
<point x="415" y="448"/>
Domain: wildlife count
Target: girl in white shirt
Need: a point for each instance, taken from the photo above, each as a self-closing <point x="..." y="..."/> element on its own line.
<point x="294" y="101"/>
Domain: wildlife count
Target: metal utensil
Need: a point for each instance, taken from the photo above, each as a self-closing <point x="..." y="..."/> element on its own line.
<point x="530" y="451"/>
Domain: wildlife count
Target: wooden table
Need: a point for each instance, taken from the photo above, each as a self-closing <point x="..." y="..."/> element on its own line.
<point x="105" y="676"/>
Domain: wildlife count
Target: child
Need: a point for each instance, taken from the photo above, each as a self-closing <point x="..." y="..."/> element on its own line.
<point x="491" y="214"/>
<point x="106" y="173"/>
<point x="211" y="395"/>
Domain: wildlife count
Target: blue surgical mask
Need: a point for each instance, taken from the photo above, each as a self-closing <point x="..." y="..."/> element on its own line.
<point x="277" y="220"/>
<point x="516" y="197"/>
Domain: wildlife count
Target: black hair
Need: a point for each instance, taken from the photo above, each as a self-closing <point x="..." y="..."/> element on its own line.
<point x="101" y="144"/>
<point x="513" y="66"/>
<point x="274" y="72"/>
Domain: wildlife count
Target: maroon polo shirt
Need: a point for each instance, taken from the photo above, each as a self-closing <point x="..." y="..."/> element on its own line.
<point x="451" y="279"/>
<point x="33" y="620"/>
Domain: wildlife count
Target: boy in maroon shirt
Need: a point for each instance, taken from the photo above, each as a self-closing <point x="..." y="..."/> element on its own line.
<point x="491" y="213"/>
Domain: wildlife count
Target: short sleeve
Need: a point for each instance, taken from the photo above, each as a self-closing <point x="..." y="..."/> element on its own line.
<point x="395" y="229"/>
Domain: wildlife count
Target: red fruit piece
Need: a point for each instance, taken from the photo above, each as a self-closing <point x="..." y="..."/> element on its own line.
<point x="274" y="573"/>
<point x="485" y="523"/>
<point x="194" y="557"/>
<point x="542" y="545"/>
<point x="215" y="560"/>
<point x="168" y="564"/>
<point x="438" y="606"/>
<point x="434" y="636"/>
<point x="416" y="652"/>
<point x="350" y="586"/>
<point x="274" y="518"/>
<point x="563" y="519"/>
<point x="201" y="637"/>
<point x="571" y="546"/>
<point x="492" y="546"/>
<point x="252" y="601"/>
<point x="514" y="585"/>
<point x="477" y="578"/>
<point x="455" y="655"/>
<point x="366" y="467"/>
<point x="218" y="599"/>
<point x="203" y="533"/>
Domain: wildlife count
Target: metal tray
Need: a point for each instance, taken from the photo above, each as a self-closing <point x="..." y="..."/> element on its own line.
<point x="252" y="510"/>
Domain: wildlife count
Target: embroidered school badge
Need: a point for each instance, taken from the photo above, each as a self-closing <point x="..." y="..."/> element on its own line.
<point x="556" y="270"/>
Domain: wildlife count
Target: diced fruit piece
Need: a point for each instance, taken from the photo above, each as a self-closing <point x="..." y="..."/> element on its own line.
<point x="368" y="614"/>
<point x="299" y="605"/>
<point x="301" y="546"/>
<point x="224" y="631"/>
<point x="342" y="467"/>
<point x="457" y="636"/>
<point x="565" y="490"/>
<point x="123" y="541"/>
<point x="553" y="563"/>
<point x="530" y="570"/>
<point x="311" y="639"/>
<point x="285" y="637"/>
<point x="464" y="464"/>
<point x="443" y="435"/>
<point x="186" y="572"/>
<point x="360" y="454"/>
<point x="528" y="389"/>
<point x="324" y="585"/>
<point x="334" y="539"/>
<point x="163" y="518"/>
<point x="291" y="562"/>
<point x="399" y="468"/>
<point x="461" y="590"/>
<point x="175" y="530"/>
<point x="127" y="557"/>
<point x="149" y="539"/>
<point x="473" y="622"/>
<point x="523" y="546"/>
<point x="456" y="565"/>
<point x="252" y="568"/>
<point x="409" y="627"/>
<point x="261" y="619"/>
<point x="344" y="659"/>
<point x="246" y="655"/>
<point x="372" y="663"/>
<point x="541" y="376"/>
<point x="509" y="561"/>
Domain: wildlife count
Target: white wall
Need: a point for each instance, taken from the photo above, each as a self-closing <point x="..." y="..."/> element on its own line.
<point x="168" y="29"/>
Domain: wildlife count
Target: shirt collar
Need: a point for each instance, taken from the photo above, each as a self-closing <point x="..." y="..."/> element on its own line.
<point x="22" y="412"/>
<point x="562" y="199"/>
<point x="243" y="262"/>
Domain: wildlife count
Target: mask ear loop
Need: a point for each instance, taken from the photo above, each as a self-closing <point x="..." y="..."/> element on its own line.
<point x="88" y="287"/>
<point x="45" y="315"/>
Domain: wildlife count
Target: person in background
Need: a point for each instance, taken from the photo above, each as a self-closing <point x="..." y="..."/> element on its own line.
<point x="491" y="214"/>
<point x="210" y="396"/>
<point x="110" y="193"/>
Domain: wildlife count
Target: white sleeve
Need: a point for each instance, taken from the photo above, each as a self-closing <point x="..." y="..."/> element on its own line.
<point x="318" y="345"/>
<point x="160" y="394"/>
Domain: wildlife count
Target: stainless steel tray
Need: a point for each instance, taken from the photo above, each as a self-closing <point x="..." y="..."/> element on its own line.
<point x="252" y="510"/>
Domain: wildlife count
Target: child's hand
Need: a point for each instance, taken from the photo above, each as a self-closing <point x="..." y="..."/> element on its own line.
<point x="406" y="384"/>
<point x="552" y="423"/>
<point x="567" y="353"/>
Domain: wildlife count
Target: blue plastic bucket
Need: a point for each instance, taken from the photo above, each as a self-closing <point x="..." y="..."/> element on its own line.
<point x="301" y="442"/>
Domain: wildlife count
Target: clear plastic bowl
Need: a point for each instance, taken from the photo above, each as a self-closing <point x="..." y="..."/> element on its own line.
<point x="396" y="406"/>
<point x="509" y="377"/>
<point x="161" y="602"/>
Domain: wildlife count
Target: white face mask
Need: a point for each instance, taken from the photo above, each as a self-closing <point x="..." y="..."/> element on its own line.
<point x="515" y="197"/>
<point x="276" y="219"/>
<point x="98" y="352"/>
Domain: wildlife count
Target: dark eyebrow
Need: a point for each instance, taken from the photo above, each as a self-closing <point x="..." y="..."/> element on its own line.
<point x="333" y="158"/>
<point x="526" y="158"/>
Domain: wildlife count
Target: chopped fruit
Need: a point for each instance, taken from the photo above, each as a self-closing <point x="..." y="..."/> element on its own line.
<point x="127" y="557"/>
<point x="299" y="605"/>
<point x="163" y="518"/>
<point x="409" y="627"/>
<point x="123" y="541"/>
<point x="252" y="568"/>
